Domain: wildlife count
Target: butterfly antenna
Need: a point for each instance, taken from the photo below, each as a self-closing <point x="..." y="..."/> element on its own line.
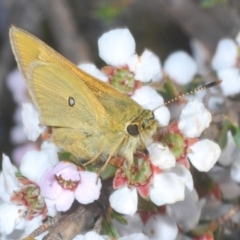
<point x="209" y="85"/>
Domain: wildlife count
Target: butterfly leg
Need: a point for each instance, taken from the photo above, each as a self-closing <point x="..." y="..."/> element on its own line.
<point x="109" y="157"/>
<point x="92" y="160"/>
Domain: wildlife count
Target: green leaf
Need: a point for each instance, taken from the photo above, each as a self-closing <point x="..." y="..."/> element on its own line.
<point x="108" y="172"/>
<point x="170" y="89"/>
<point x="119" y="217"/>
<point x="222" y="136"/>
<point x="109" y="229"/>
<point x="236" y="135"/>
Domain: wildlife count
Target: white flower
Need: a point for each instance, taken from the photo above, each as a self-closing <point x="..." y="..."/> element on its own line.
<point x="31" y="122"/>
<point x="134" y="225"/>
<point x="35" y="163"/>
<point x="116" y="46"/>
<point x="235" y="170"/>
<point x="124" y="200"/>
<point x="187" y="212"/>
<point x="19" y="92"/>
<point x="94" y="71"/>
<point x="230" y="80"/>
<point x="161" y="227"/>
<point x="8" y="181"/>
<point x="146" y="67"/>
<point x="184" y="175"/>
<point x="230" y="153"/>
<point x="94" y="236"/>
<point x="225" y="55"/>
<point x="194" y="119"/>
<point x="222" y="176"/>
<point x="166" y="187"/>
<point x="161" y="156"/>
<point x="91" y="236"/>
<point x="204" y="154"/>
<point x="135" y="236"/>
<point x="11" y="217"/>
<point x="148" y="98"/>
<point x="180" y="67"/>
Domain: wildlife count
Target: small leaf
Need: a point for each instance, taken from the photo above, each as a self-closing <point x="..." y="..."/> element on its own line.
<point x="222" y="136"/>
<point x="109" y="229"/>
<point x="236" y="135"/>
<point x="119" y="217"/>
<point x="170" y="89"/>
<point x="108" y="172"/>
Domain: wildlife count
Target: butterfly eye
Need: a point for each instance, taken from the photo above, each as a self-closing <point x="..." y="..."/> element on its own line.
<point x="132" y="129"/>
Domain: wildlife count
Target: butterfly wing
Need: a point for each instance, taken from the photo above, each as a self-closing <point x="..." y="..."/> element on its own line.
<point x="28" y="48"/>
<point x="62" y="98"/>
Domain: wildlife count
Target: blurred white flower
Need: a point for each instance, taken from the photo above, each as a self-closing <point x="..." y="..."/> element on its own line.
<point x="204" y="154"/>
<point x="180" y="67"/>
<point x="230" y="80"/>
<point x="91" y="69"/>
<point x="224" y="62"/>
<point x="225" y="55"/>
<point x="161" y="227"/>
<point x="124" y="200"/>
<point x="31" y="122"/>
<point x="187" y="212"/>
<point x="117" y="48"/>
<point x="194" y="119"/>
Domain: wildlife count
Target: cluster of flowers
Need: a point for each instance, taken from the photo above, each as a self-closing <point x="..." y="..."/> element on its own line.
<point x="43" y="186"/>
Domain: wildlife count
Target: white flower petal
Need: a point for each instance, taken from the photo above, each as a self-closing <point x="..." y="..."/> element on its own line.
<point x="8" y="178"/>
<point x="184" y="174"/>
<point x="51" y="149"/>
<point x="10" y="217"/>
<point x="146" y="67"/>
<point x="124" y="200"/>
<point x="18" y="135"/>
<point x="19" y="91"/>
<point x="116" y="46"/>
<point x="237" y="38"/>
<point x="91" y="236"/>
<point x="235" y="170"/>
<point x="161" y="227"/>
<point x="194" y="119"/>
<point x="230" y="153"/>
<point x="161" y="156"/>
<point x="148" y="98"/>
<point x="187" y="212"/>
<point x="30" y="118"/>
<point x="204" y="154"/>
<point x="88" y="189"/>
<point x="31" y="225"/>
<point x="226" y="54"/>
<point x="166" y="188"/>
<point x="230" y="81"/>
<point x="135" y="236"/>
<point x="135" y="225"/>
<point x="181" y="67"/>
<point x="94" y="71"/>
<point x="34" y="164"/>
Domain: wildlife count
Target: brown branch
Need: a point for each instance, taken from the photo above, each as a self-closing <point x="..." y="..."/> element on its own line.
<point x="65" y="31"/>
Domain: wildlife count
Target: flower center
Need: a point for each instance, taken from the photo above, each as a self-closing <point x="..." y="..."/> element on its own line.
<point x="123" y="80"/>
<point x="30" y="197"/>
<point x="67" y="184"/>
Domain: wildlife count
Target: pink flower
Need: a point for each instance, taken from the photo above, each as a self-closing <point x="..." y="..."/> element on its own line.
<point x="65" y="182"/>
